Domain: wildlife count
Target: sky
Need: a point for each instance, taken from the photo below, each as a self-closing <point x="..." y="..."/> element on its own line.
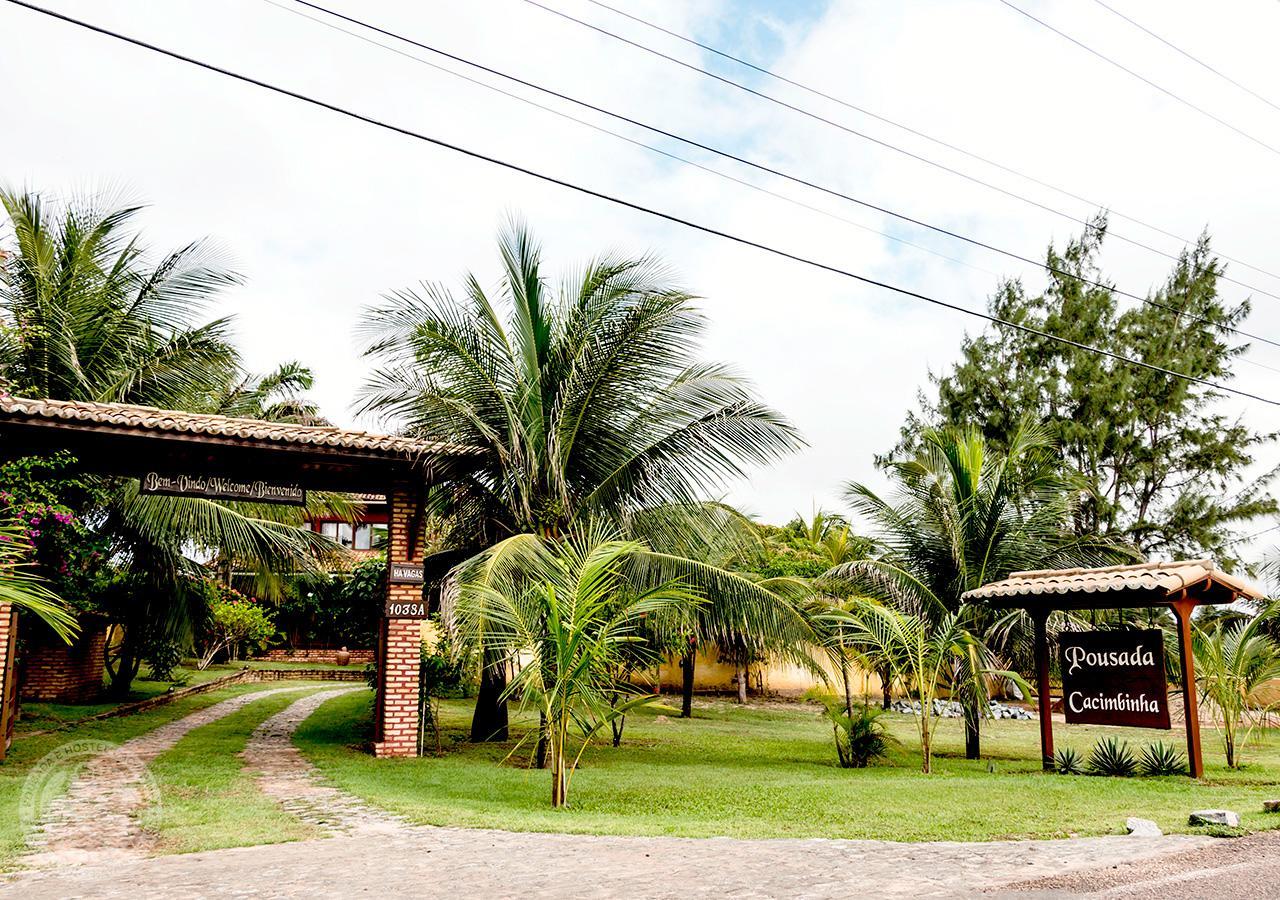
<point x="321" y="215"/>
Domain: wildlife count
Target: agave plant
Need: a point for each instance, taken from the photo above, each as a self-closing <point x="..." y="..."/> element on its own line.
<point x="1161" y="759"/>
<point x="1067" y="761"/>
<point x="1113" y="757"/>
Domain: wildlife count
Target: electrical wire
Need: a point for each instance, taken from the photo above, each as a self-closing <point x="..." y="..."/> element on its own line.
<point x="859" y="134"/>
<point x="1053" y="270"/>
<point x="1144" y="79"/>
<point x="977" y="157"/>
<point x="627" y="204"/>
<point x="1174" y="47"/>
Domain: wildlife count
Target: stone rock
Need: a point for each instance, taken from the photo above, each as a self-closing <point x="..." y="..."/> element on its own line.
<point x="1215" y="817"/>
<point x="1142" y="827"/>
<point x="1271" y="806"/>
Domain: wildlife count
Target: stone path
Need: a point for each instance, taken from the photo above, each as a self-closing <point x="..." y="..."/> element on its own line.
<point x="289" y="779"/>
<point x="97" y="818"/>
<point x="455" y="863"/>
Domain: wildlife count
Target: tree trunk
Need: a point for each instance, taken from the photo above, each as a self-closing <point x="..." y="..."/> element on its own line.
<point x="848" y="693"/>
<point x="559" y="782"/>
<point x="687" y="663"/>
<point x="489" y="721"/>
<point x="127" y="665"/>
<point x="742" y="683"/>
<point x="886" y="686"/>
<point x="618" y="724"/>
<point x="540" y="753"/>
<point x="972" y="731"/>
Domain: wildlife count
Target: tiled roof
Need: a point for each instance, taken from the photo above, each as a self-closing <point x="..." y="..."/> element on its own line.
<point x="149" y="419"/>
<point x="1162" y="577"/>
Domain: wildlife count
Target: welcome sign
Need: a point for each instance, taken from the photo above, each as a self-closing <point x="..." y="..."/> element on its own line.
<point x="214" y="487"/>
<point x="1115" y="678"/>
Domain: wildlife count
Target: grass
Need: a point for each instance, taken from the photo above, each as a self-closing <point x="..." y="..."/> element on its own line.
<point x="769" y="771"/>
<point x="206" y="799"/>
<point x="28" y="749"/>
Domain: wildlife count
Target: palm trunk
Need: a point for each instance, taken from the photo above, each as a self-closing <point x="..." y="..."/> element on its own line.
<point x="559" y="782"/>
<point x="848" y="693"/>
<point x="742" y="683"/>
<point x="540" y="754"/>
<point x="687" y="663"/>
<point x="972" y="731"/>
<point x="886" y="687"/>
<point x="489" y="721"/>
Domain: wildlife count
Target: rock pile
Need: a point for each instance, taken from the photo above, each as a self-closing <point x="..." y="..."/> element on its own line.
<point x="950" y="709"/>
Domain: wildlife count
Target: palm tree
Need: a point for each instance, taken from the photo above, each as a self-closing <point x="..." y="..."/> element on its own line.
<point x="1233" y="660"/>
<point x="25" y="589"/>
<point x="587" y="403"/>
<point x="924" y="655"/>
<point x="580" y="608"/>
<point x="83" y="316"/>
<point x="964" y="517"/>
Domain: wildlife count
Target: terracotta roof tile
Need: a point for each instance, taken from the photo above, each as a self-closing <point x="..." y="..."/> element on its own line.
<point x="1162" y="577"/>
<point x="147" y="418"/>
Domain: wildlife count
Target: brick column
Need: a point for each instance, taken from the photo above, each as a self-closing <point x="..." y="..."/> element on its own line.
<point x="400" y="643"/>
<point x="8" y="675"/>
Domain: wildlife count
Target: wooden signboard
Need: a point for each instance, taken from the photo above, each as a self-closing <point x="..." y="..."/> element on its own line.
<point x="1115" y="678"/>
<point x="216" y="487"/>
<point x="396" y="608"/>
<point x="407" y="573"/>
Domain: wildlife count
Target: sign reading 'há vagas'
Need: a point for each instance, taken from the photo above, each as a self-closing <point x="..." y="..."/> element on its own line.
<point x="1115" y="678"/>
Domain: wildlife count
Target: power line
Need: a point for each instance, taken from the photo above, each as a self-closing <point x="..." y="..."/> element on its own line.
<point x="1061" y="273"/>
<point x="1172" y="46"/>
<point x="627" y="204"/>
<point x="859" y="134"/>
<point x="1144" y="79"/>
<point x="985" y="160"/>
<point x="658" y="150"/>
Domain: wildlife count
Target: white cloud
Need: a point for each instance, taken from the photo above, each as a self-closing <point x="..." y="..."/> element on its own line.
<point x="324" y="214"/>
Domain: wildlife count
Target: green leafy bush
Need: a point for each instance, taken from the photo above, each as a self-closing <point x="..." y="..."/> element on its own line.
<point x="860" y="738"/>
<point x="235" y="620"/>
<point x="1161" y="759"/>
<point x="1113" y="757"/>
<point x="1067" y="761"/>
<point x="163" y="656"/>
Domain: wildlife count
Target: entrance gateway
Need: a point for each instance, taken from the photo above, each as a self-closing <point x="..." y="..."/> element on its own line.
<point x="1117" y="677"/>
<point x="218" y="456"/>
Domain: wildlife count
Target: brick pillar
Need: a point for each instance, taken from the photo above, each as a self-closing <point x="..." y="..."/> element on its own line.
<point x="8" y="675"/>
<point x="400" y="643"/>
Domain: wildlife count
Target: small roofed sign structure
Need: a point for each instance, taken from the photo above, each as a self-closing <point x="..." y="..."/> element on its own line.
<point x="1181" y="586"/>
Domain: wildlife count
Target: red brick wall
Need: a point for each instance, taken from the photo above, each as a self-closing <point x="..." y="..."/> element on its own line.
<point x="401" y="643"/>
<point x="358" y="657"/>
<point x="66" y="673"/>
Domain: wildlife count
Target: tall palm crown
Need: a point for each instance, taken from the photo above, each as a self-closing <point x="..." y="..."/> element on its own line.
<point x="587" y="401"/>
<point x="964" y="517"/>
<point x="83" y="317"/>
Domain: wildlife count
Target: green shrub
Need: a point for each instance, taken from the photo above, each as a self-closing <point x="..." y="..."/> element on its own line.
<point x="860" y="738"/>
<point x="1113" y="757"/>
<point x="1161" y="759"/>
<point x="1068" y="762"/>
<point x="163" y="657"/>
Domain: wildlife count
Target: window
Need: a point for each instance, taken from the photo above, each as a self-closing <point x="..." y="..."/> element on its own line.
<point x="364" y="537"/>
<point x="344" y="534"/>
<point x="329" y="530"/>
<point x="378" y="539"/>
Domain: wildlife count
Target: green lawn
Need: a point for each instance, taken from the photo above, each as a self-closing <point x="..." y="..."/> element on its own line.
<point x="207" y="800"/>
<point x="770" y="772"/>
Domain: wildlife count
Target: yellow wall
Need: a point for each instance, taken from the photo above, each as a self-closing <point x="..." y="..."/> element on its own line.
<point x="711" y="675"/>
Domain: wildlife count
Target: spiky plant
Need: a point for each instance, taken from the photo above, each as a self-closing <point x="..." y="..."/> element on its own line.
<point x="1161" y="759"/>
<point x="1067" y="761"/>
<point x="1233" y="660"/>
<point x="1113" y="757"/>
